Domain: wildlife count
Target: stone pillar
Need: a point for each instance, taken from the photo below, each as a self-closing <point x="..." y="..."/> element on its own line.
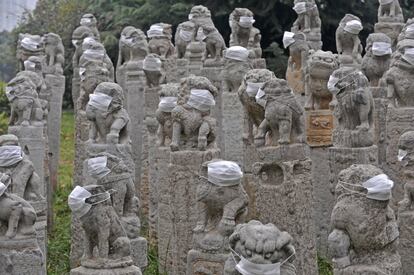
<point x="198" y="262"/>
<point x="129" y="270"/>
<point x="182" y="68"/>
<point x="380" y="120"/>
<point x="406" y="244"/>
<point x="177" y="213"/>
<point x="195" y="57"/>
<point x="392" y="29"/>
<point x="319" y="128"/>
<point x="284" y="196"/>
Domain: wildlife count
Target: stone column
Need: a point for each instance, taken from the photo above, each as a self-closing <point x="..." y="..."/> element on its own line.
<point x="406" y="244"/>
<point x="195" y="51"/>
<point x="182" y="68"/>
<point x="380" y="121"/>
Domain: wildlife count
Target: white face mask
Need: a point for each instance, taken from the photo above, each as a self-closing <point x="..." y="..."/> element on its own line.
<point x="29" y="44"/>
<point x="85" y="21"/>
<point x="353" y="26"/>
<point x="10" y="93"/>
<point x="190" y="16"/>
<point x="379" y="187"/>
<point x="288" y="39"/>
<point x="186" y="35"/>
<point x="252" y="88"/>
<point x="332" y="84"/>
<point x="152" y="64"/>
<point x="410" y="30"/>
<point x="260" y="98"/>
<point x="94" y="54"/>
<point x="237" y="53"/>
<point x="385" y="2"/>
<point x="77" y="200"/>
<point x="409" y="55"/>
<point x="200" y="35"/>
<point x="97" y="167"/>
<point x="381" y="48"/>
<point x="167" y="104"/>
<point x="3" y="188"/>
<point x="300" y="7"/>
<point x="100" y="101"/>
<point x="75" y="43"/>
<point x="201" y="100"/>
<point x="29" y="65"/>
<point x="10" y="155"/>
<point x="246" y="21"/>
<point x="402" y="154"/>
<point x="155" y="30"/>
<point x="224" y="173"/>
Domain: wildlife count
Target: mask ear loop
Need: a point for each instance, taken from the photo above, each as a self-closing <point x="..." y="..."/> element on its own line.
<point x="108" y="196"/>
<point x="232" y="255"/>
<point x="350" y="190"/>
<point x="287" y="259"/>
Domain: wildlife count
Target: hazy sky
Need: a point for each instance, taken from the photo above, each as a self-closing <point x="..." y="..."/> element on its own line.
<point x="11" y="10"/>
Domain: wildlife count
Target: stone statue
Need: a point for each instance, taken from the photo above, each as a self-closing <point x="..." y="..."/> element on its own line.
<point x="215" y="44"/>
<point x="168" y="101"/>
<point x="348" y="44"/>
<point x="364" y="239"/>
<point x="200" y="16"/>
<point x="154" y="70"/>
<point x="243" y="33"/>
<point x="377" y="58"/>
<point x="219" y="191"/>
<point x="24" y="181"/>
<point x="193" y="127"/>
<point x="184" y="35"/>
<point x="236" y="65"/>
<point x="17" y="215"/>
<point x="260" y="249"/>
<point x="390" y="11"/>
<point x="78" y="35"/>
<point x="252" y="82"/>
<point x="55" y="54"/>
<point x="25" y="106"/>
<point x="160" y="40"/>
<point x="133" y="46"/>
<point x="89" y="21"/>
<point x="308" y="22"/>
<point x="283" y="121"/>
<point x="353" y="108"/>
<point x="28" y="45"/>
<point x="407" y="31"/>
<point x="320" y="66"/>
<point x="406" y="157"/>
<point x="108" y="117"/>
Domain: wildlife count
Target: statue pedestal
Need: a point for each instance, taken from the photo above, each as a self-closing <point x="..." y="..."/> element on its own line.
<point x="380" y="119"/>
<point x="21" y="257"/>
<point x="390" y="29"/>
<point x="75" y="87"/>
<point x="284" y="196"/>
<point x="177" y="210"/>
<point x="170" y="66"/>
<point x="406" y="244"/>
<point x="182" y="68"/>
<point x="129" y="270"/>
<point x="205" y="263"/>
<point x="319" y="125"/>
<point x="195" y="52"/>
<point x="139" y="252"/>
<point x="399" y="121"/>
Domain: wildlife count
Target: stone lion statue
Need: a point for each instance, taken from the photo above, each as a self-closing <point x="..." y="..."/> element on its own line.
<point x="55" y="53"/>
<point x="28" y="45"/>
<point x="183" y="36"/>
<point x="163" y="114"/>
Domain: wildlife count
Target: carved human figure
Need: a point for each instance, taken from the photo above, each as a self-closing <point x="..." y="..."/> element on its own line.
<point x="406" y="158"/>
<point x="24" y="181"/>
<point x="219" y="191"/>
<point x="283" y="121"/>
<point x="133" y="46"/>
<point x="193" y="127"/>
<point x="236" y="65"/>
<point x="390" y="11"/>
<point x="243" y="33"/>
<point x="88" y="20"/>
<point x="364" y="237"/>
<point x="260" y="249"/>
<point x="184" y="35"/>
<point x="168" y="101"/>
<point x="377" y="58"/>
<point x="28" y="45"/>
<point x="24" y="102"/>
<point x="108" y="117"/>
<point x="16" y="214"/>
<point x="154" y="70"/>
<point x="252" y="82"/>
<point x="348" y="44"/>
<point x="160" y="35"/>
<point x="55" y="54"/>
<point x="308" y="17"/>
<point x="320" y="66"/>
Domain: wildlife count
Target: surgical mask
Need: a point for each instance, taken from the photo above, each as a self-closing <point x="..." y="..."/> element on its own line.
<point x="409" y="55"/>
<point x="332" y="84"/>
<point x="300" y="7"/>
<point x="82" y="72"/>
<point x="260" y="98"/>
<point x="252" y="88"/>
<point x="186" y="35"/>
<point x="224" y="173"/>
<point x="75" y="42"/>
<point x="385" y="2"/>
<point x="402" y="154"/>
<point x="85" y="21"/>
<point x="200" y="35"/>
<point x="167" y="104"/>
<point x="155" y="30"/>
<point x="288" y="39"/>
<point x="201" y="100"/>
<point x="381" y="48"/>
<point x="190" y="16"/>
<point x="94" y="54"/>
<point x="127" y="40"/>
<point x="353" y="26"/>
<point x="152" y="64"/>
<point x="97" y="167"/>
<point x="237" y="53"/>
<point x="410" y="30"/>
<point x="246" y="21"/>
<point x="29" y="44"/>
<point x="100" y="101"/>
<point x="3" y="188"/>
<point x="10" y="93"/>
<point x="378" y="188"/>
<point x="77" y="200"/>
<point x="29" y="65"/>
<point x="10" y="155"/>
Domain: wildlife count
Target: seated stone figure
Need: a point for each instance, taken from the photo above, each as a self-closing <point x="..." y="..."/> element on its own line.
<point x="308" y="17"/>
<point x="108" y="117"/>
<point x="168" y="101"/>
<point x="17" y="216"/>
<point x="88" y="20"/>
<point x="364" y="239"/>
<point x="133" y="46"/>
<point x="28" y="45"/>
<point x="214" y="42"/>
<point x="183" y="36"/>
<point x="406" y="157"/>
<point x="390" y="11"/>
<point x="55" y="54"/>
<point x="236" y="65"/>
<point x="154" y="70"/>
<point x="283" y="121"/>
<point x="260" y="249"/>
<point x="193" y="127"/>
<point x="348" y="44"/>
<point x="159" y="36"/>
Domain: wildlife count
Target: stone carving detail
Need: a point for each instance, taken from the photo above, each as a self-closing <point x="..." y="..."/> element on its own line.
<point x="308" y="22"/>
<point x="283" y="121"/>
<point x="407" y="31"/>
<point x="377" y="58"/>
<point x="365" y="233"/>
<point x="348" y="44"/>
<point x="55" y="54"/>
<point x="243" y="33"/>
<point x="160" y="40"/>
<point x="236" y="65"/>
<point x="215" y="44"/>
<point x="353" y="108"/>
<point x="184" y="35"/>
<point x="261" y="248"/>
<point x="28" y="45"/>
<point x="133" y="46"/>
<point x="154" y="70"/>
<point x="252" y="82"/>
<point x="168" y="101"/>
<point x="193" y="127"/>
<point x="88" y="20"/>
<point x="390" y="11"/>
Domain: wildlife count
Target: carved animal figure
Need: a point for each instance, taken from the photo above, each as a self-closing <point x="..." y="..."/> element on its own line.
<point x="28" y="45"/>
<point x="133" y="46"/>
<point x="155" y="76"/>
<point x="254" y="111"/>
<point x="308" y="20"/>
<point x="390" y="12"/>
<point x="233" y="73"/>
<point x="183" y="36"/>
<point x="88" y="20"/>
<point x="108" y="126"/>
<point x="200" y="16"/>
<point x="283" y="120"/>
<point x="348" y="44"/>
<point x="214" y="42"/>
<point x="192" y="128"/>
<point x="406" y="157"/>
<point x="163" y="115"/>
<point x="261" y="244"/>
<point x="320" y="66"/>
<point x="55" y="53"/>
<point x="78" y="35"/>
<point x="161" y="44"/>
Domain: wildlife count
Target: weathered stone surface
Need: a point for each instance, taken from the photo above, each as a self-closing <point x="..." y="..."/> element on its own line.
<point x="348" y="44"/>
<point x="28" y="45"/>
<point x="380" y="120"/>
<point x="319" y="126"/>
<point x="129" y="270"/>
<point x="205" y="263"/>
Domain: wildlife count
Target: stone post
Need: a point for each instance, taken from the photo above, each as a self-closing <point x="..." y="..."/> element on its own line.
<point x="195" y="55"/>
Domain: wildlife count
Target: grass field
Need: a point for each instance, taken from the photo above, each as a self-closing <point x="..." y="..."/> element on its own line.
<point x="59" y="239"/>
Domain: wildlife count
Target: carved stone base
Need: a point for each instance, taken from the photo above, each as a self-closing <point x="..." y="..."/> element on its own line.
<point x="177" y="211"/>
<point x="139" y="252"/>
<point x="284" y="197"/>
<point x="203" y="263"/>
<point x="380" y="119"/>
<point x="18" y="257"/>
<point x="319" y="125"/>
<point x="296" y="80"/>
<point x="406" y="245"/>
<point x="41" y="236"/>
<point x="182" y="68"/>
<point x="390" y="29"/>
<point x="352" y="138"/>
<point x="130" y="270"/>
<point x="195" y="52"/>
